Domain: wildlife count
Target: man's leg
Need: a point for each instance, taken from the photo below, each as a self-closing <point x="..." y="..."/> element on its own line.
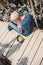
<point x="11" y="26"/>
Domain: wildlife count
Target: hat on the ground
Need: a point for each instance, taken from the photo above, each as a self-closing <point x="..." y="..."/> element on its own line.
<point x="14" y="15"/>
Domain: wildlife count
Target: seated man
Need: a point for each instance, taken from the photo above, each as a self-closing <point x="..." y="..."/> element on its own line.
<point x="23" y="24"/>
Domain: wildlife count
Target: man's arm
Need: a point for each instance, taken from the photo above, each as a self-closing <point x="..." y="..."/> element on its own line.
<point x="20" y="29"/>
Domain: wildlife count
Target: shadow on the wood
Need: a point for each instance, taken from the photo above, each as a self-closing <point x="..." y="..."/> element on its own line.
<point x="9" y="44"/>
<point x="14" y="48"/>
<point x="23" y="61"/>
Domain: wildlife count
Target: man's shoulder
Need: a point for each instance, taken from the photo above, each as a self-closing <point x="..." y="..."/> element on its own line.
<point x="26" y="12"/>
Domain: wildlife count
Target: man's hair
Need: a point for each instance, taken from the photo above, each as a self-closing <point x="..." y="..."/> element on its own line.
<point x="14" y="15"/>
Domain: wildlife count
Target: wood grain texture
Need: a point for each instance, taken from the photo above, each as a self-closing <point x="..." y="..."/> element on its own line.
<point x="30" y="52"/>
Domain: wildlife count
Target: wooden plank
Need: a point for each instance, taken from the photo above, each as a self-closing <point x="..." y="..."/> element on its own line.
<point x="30" y="46"/>
<point x="10" y="36"/>
<point x="41" y="62"/>
<point x="1" y="25"/>
<point x="14" y="56"/>
<point x="4" y="36"/>
<point x="33" y="51"/>
<point x="3" y="29"/>
<point x="15" y="46"/>
<point x="18" y="54"/>
<point x="39" y="55"/>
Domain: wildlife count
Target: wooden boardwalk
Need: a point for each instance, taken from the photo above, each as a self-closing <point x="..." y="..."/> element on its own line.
<point x="30" y="52"/>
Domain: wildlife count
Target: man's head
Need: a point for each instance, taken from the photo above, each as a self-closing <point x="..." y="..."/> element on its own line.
<point x="16" y="17"/>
